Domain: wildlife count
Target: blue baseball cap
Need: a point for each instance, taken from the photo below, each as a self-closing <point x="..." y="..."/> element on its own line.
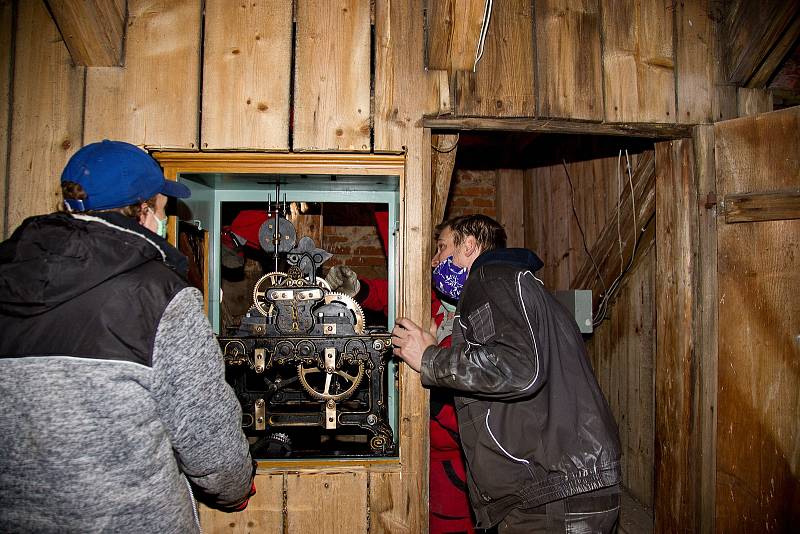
<point x="115" y="174"/>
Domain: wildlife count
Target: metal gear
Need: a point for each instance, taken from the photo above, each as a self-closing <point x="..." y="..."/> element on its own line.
<point x="352" y="306"/>
<point x="259" y="291"/>
<point x="274" y="279"/>
<point x="325" y="394"/>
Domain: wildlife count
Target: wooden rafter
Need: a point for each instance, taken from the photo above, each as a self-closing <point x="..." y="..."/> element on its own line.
<point x="758" y="35"/>
<point x="443" y="158"/>
<point x="93" y="30"/>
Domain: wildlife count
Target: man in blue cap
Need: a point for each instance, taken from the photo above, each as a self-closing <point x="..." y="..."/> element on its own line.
<point x="116" y="414"/>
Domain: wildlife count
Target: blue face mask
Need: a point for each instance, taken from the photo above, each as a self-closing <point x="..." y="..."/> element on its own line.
<point x="449" y="279"/>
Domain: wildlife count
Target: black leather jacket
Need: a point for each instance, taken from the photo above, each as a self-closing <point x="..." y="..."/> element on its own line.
<point x="534" y="424"/>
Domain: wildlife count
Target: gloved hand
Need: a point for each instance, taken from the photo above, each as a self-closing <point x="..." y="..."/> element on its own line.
<point x="241" y="505"/>
<point x="343" y="279"/>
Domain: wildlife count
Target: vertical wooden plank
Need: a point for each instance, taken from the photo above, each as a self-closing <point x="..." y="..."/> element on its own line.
<point x="388" y="498"/>
<point x="247" y="59"/>
<point x="467" y="23"/>
<point x="676" y="307"/>
<point x="638" y="76"/>
<point x="758" y="431"/>
<point x="694" y="46"/>
<point x="6" y="62"/>
<point x="327" y="503"/>
<point x="569" y="71"/>
<point x="332" y="75"/>
<point x="46" y="114"/>
<point x="503" y="85"/>
<point x="753" y="101"/>
<point x="153" y="99"/>
<point x="439" y="36"/>
<point x="415" y="304"/>
<point x="511" y="205"/>
<point x="400" y="78"/>
<point x="707" y="376"/>
<point x="264" y="512"/>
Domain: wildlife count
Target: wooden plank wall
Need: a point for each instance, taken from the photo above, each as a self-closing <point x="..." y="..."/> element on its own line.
<point x="47" y="114"/>
<point x="758" y="436"/>
<point x="596" y="60"/>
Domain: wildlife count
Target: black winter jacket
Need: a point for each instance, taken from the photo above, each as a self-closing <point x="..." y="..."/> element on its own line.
<point x="534" y="424"/>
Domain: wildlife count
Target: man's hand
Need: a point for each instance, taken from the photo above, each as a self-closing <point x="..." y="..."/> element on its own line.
<point x="343" y="279"/>
<point x="410" y="341"/>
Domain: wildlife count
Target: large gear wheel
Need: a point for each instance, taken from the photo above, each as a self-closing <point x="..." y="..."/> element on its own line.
<point x="339" y="380"/>
<point x="357" y="314"/>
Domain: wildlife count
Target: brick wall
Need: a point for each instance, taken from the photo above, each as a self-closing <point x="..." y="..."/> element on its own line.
<point x="358" y="247"/>
<point x="472" y="192"/>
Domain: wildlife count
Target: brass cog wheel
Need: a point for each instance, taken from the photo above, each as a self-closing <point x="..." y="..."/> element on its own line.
<point x="352" y="306"/>
<point x="259" y="291"/>
<point x="325" y="394"/>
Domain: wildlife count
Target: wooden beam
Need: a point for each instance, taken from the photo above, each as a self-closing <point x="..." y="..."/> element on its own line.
<point x="605" y="250"/>
<point x="443" y="159"/>
<point x="454" y="27"/>
<point x="754" y="34"/>
<point x="677" y="460"/>
<point x="706" y="376"/>
<point x="755" y="207"/>
<point x="93" y="30"/>
<point x="649" y="130"/>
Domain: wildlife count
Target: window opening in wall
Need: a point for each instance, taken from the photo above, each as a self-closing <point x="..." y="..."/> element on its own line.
<point x="308" y="354"/>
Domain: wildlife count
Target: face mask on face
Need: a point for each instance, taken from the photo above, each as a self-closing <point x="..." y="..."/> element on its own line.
<point x="449" y="279"/>
<point x="161" y="226"/>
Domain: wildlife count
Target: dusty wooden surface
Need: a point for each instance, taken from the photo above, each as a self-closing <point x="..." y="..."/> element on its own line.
<point x="93" y="30"/>
<point x="153" y="99"/>
<point x="503" y="83"/>
<point x="46" y="115"/>
<point x="265" y="513"/>
<point x="332" y="78"/>
<point x="761" y="206"/>
<point x="707" y="369"/>
<point x="568" y="55"/>
<point x="622" y="351"/>
<point x="753" y="101"/>
<point x="694" y="56"/>
<point x="653" y="130"/>
<point x="638" y="62"/>
<point x="676" y="285"/>
<point x="759" y="318"/>
<point x="402" y="87"/>
<point x="327" y="503"/>
<point x="247" y="59"/>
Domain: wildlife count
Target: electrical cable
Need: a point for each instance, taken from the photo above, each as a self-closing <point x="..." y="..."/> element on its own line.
<point x="580" y="228"/>
<point x="487" y="15"/>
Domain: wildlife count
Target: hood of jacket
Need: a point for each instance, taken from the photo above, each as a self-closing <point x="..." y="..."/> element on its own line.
<point x="51" y="259"/>
<point x="522" y="257"/>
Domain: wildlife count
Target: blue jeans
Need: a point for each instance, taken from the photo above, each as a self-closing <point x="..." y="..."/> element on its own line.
<point x="595" y="512"/>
